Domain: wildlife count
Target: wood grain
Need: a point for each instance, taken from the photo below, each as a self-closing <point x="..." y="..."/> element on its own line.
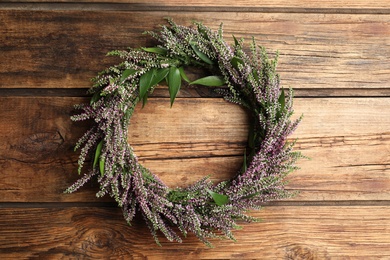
<point x="196" y="138"/>
<point x="280" y="4"/>
<point x="343" y="145"/>
<point x="334" y="53"/>
<point x="63" y="49"/>
<point x="284" y="233"/>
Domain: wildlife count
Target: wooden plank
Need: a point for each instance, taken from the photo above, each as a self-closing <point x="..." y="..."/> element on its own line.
<point x="199" y="91"/>
<point x="354" y="146"/>
<point x="158" y="123"/>
<point x="349" y="150"/>
<point x="349" y="147"/>
<point x="343" y="4"/>
<point x="63" y="49"/>
<point x="36" y="140"/>
<point x="284" y="233"/>
<point x="36" y="147"/>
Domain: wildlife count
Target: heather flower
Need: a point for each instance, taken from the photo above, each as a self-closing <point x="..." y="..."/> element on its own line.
<point x="208" y="210"/>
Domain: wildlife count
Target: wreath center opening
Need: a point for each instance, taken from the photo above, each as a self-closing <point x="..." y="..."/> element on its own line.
<point x="195" y="138"/>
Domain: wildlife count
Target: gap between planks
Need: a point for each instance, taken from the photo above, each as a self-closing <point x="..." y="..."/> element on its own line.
<point x="286" y="203"/>
<point x="198" y="92"/>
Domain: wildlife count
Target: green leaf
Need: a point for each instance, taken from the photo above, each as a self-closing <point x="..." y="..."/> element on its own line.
<point x="244" y="166"/>
<point x="210" y="81"/>
<point x="174" y="82"/>
<point x="150" y="79"/>
<point x="97" y="153"/>
<point x="145" y="82"/>
<point x="200" y="54"/>
<point x="95" y="97"/>
<point x="236" y="43"/>
<point x="144" y="100"/>
<point x="159" y="76"/>
<point x="126" y="73"/>
<point x="183" y="75"/>
<point x="219" y="199"/>
<point x="157" y="50"/>
<point x="235" y="61"/>
<point x="101" y="166"/>
<point x="282" y="100"/>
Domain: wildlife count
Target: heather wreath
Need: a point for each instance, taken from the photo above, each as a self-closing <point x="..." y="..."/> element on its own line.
<point x="206" y="209"/>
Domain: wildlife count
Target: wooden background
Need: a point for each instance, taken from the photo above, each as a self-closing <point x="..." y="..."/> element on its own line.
<point x="335" y="54"/>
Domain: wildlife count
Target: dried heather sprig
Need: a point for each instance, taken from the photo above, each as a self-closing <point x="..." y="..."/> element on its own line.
<point x="205" y="209"/>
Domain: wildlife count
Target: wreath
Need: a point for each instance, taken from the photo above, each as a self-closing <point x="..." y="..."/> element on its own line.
<point x="208" y="210"/>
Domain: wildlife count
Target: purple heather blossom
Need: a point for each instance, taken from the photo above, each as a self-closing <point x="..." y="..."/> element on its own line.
<point x="252" y="82"/>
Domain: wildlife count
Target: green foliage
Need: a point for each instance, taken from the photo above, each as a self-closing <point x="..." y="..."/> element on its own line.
<point x="174" y="82"/>
<point x="150" y="79"/>
<point x="101" y="166"/>
<point x="210" y="81"/>
<point x="157" y="50"/>
<point x="200" y="54"/>
<point x="282" y="100"/>
<point x="97" y="153"/>
<point x="236" y="62"/>
<point x="126" y="73"/>
<point x="219" y="199"/>
<point x="282" y="103"/>
<point x="183" y="75"/>
<point x="145" y="82"/>
<point x="248" y="79"/>
<point x="244" y="164"/>
<point x="95" y="97"/>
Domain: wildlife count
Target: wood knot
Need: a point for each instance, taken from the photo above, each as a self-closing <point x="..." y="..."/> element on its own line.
<point x="302" y="253"/>
<point x="98" y="241"/>
<point x="101" y="239"/>
<point x="43" y="143"/>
